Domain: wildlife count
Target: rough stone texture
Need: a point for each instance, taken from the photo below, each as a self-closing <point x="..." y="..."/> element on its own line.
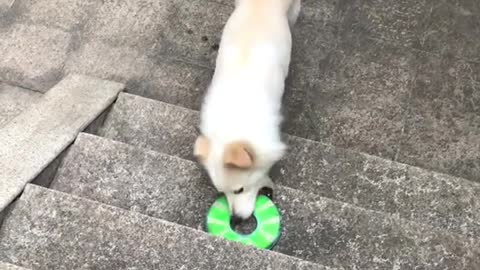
<point x="167" y="46"/>
<point x="170" y="80"/>
<point x="401" y="82"/>
<point x="176" y="82"/>
<point x="357" y="102"/>
<point x="309" y="51"/>
<point x="131" y="23"/>
<point x="2" y="216"/>
<point x="46" y="176"/>
<point x="445" y="27"/>
<point x="442" y="124"/>
<point x="404" y="105"/>
<point x="366" y="107"/>
<point x="128" y="177"/>
<point x="163" y="44"/>
<point x="362" y="239"/>
<point x="36" y="137"/>
<point x="416" y="194"/>
<point x="5" y="5"/>
<point x="7" y="266"/>
<point x="357" y="66"/>
<point x="74" y="233"/>
<point x="67" y="15"/>
<point x="356" y="96"/>
<point x="160" y="27"/>
<point x="96" y="124"/>
<point x="14" y="100"/>
<point x="32" y="55"/>
<point x="152" y="125"/>
<point x="332" y="172"/>
<point x="315" y="228"/>
<point x="194" y="39"/>
<point x="121" y="64"/>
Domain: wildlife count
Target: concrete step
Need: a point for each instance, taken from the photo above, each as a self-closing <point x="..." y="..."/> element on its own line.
<point x="316" y="229"/>
<point x="373" y="183"/>
<point x="7" y="266"/>
<point x="157" y="32"/>
<point x="52" y="230"/>
<point x="32" y="140"/>
<point x="14" y="100"/>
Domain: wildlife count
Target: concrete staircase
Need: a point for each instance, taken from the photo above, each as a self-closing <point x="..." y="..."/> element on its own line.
<point x="316" y="228"/>
<point x="127" y="194"/>
<point x="359" y="179"/>
<point x="130" y="196"/>
<point x="75" y="232"/>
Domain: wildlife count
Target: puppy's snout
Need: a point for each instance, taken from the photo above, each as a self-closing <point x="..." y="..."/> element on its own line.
<point x="243" y="204"/>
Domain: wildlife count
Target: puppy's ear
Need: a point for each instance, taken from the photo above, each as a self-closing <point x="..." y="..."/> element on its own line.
<point x="238" y="155"/>
<point x="201" y="148"/>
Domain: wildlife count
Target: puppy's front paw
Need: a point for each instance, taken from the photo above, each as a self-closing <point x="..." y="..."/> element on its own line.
<point x="267" y="191"/>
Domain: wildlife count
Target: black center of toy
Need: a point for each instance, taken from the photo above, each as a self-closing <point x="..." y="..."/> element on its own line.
<point x="243" y="226"/>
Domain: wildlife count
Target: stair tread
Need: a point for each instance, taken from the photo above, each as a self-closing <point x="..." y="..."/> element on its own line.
<point x="14" y="100"/>
<point x="33" y="139"/>
<point x="74" y="233"/>
<point x="356" y="178"/>
<point x="317" y="229"/>
<point x="8" y="266"/>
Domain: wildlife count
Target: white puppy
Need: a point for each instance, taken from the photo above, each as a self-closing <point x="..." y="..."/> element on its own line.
<point x="240" y="117"/>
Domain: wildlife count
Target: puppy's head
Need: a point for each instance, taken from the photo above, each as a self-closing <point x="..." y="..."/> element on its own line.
<point x="238" y="170"/>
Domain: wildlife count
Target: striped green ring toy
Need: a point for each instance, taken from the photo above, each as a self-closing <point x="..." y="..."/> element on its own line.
<point x="266" y="234"/>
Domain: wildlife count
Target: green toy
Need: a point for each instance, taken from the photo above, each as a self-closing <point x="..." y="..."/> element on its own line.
<point x="266" y="234"/>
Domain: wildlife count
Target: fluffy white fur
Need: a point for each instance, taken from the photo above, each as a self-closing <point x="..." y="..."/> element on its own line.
<point x="243" y="101"/>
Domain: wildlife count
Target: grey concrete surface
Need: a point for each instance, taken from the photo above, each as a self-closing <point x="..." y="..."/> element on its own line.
<point x="67" y="15"/>
<point x="32" y="55"/>
<point x="5" y="5"/>
<point x="359" y="179"/>
<point x="14" y="100"/>
<point x="53" y="230"/>
<point x="169" y="80"/>
<point x="395" y="79"/>
<point x="314" y="228"/>
<point x="7" y="266"/>
<point x="152" y="124"/>
<point x="442" y="123"/>
<point x="445" y="27"/>
<point x="365" y="74"/>
<point x="36" y="137"/>
<point x="406" y="105"/>
<point x="162" y="45"/>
